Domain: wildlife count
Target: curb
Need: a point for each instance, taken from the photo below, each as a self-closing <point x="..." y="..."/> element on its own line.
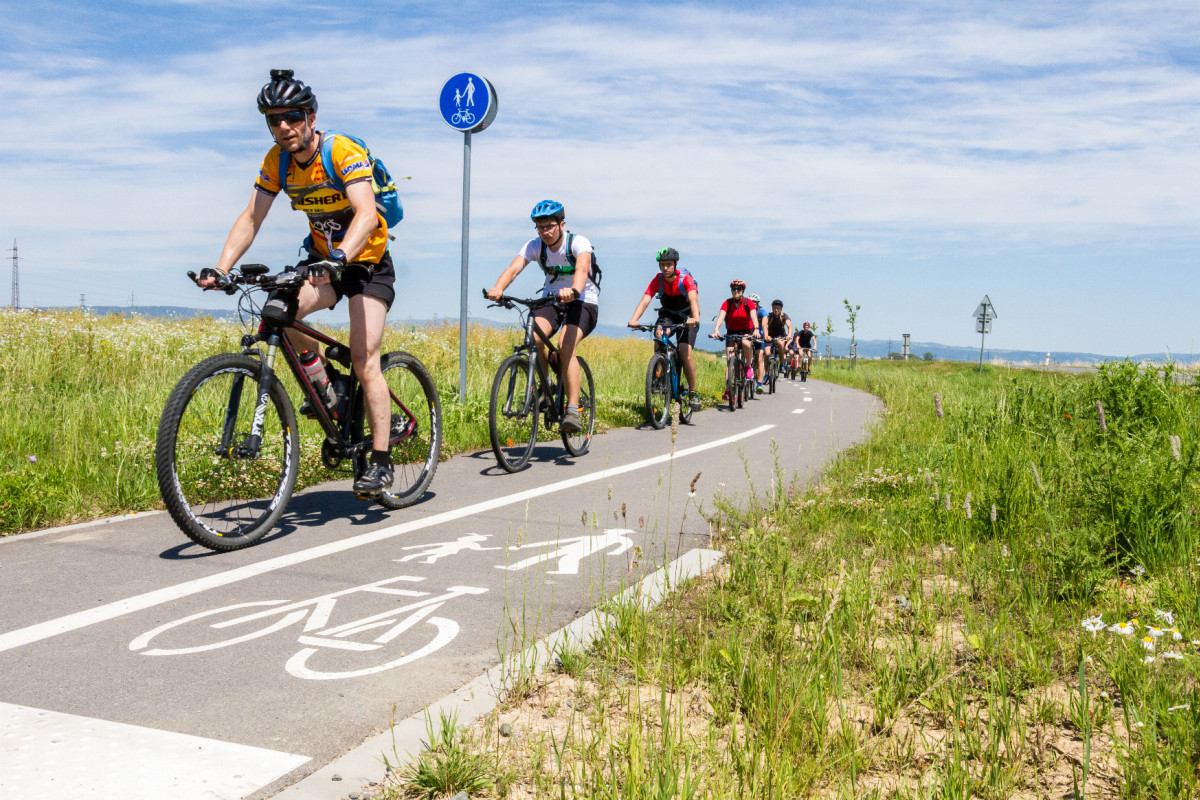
<point x="365" y="763"/>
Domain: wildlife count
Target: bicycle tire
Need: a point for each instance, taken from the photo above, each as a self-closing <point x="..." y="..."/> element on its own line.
<point x="773" y="369"/>
<point x="577" y="444"/>
<point x="685" y="404"/>
<point x="225" y="501"/>
<point x="415" y="442"/>
<point x="658" y="391"/>
<point x="513" y="430"/>
<point x="736" y="379"/>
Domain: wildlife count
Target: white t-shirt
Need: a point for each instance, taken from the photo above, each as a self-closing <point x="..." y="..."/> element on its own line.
<point x="532" y="251"/>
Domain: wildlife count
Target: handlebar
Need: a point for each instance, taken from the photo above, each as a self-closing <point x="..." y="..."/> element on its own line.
<point x="508" y="301"/>
<point x="251" y="275"/>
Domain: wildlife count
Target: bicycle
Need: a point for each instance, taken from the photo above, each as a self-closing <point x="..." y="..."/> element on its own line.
<point x="523" y="390"/>
<point x="738" y="387"/>
<point x="805" y="364"/>
<point x="663" y="387"/>
<point x="773" y="367"/>
<point x="227" y="455"/>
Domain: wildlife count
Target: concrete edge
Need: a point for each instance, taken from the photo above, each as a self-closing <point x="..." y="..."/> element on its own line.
<point x="91" y="523"/>
<point x="404" y="739"/>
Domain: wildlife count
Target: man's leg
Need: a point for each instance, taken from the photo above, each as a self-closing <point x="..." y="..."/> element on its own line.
<point x="568" y="340"/>
<point x="309" y="299"/>
<point x="689" y="365"/>
<point x="367" y="316"/>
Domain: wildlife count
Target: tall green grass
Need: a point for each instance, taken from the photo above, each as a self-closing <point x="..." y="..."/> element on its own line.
<point x="887" y="634"/>
<point x="82" y="397"/>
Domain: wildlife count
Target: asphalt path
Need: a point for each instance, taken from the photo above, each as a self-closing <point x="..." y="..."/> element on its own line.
<point x="136" y="661"/>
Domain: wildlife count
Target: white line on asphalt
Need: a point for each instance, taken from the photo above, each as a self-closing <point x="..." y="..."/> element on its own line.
<point x="798" y="411"/>
<point x="82" y="619"/>
<point x="807" y="399"/>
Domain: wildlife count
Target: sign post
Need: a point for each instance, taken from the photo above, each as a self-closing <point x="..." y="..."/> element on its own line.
<point x="984" y="314"/>
<point x="468" y="103"/>
<point x="904" y="347"/>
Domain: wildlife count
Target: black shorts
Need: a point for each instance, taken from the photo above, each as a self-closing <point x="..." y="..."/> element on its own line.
<point x="578" y="313"/>
<point x="686" y="336"/>
<point x="362" y="277"/>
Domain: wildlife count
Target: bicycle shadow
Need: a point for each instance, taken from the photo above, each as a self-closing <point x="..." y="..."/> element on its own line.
<point x="543" y="453"/>
<point x="311" y="509"/>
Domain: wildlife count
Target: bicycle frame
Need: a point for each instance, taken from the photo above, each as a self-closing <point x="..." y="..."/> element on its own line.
<point x="538" y="377"/>
<point x="673" y="362"/>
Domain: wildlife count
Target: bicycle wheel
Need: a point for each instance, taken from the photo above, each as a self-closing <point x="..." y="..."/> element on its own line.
<point x="578" y="443"/>
<point x="416" y="429"/>
<point x="773" y="373"/>
<point x="658" y="391"/>
<point x="512" y="413"/>
<point x="222" y="492"/>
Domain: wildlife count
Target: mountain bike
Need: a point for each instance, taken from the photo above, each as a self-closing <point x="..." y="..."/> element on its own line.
<point x="793" y="364"/>
<point x="523" y="390"/>
<point x="738" y="387"/>
<point x="773" y="367"/>
<point x="228" y="450"/>
<point x="663" y="387"/>
<point x="805" y="363"/>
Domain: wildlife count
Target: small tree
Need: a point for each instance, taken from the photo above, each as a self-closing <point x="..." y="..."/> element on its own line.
<point x="828" y="326"/>
<point x="928" y="356"/>
<point x="851" y="317"/>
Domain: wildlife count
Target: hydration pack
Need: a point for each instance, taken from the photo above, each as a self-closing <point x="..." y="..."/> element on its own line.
<point x="387" y="199"/>
<point x="594" y="274"/>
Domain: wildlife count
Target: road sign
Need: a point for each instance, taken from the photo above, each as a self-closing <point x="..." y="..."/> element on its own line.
<point x="985" y="309"/>
<point x="468" y="103"/>
<point x="983" y="325"/>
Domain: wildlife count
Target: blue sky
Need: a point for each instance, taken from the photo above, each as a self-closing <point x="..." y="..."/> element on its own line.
<point x="909" y="156"/>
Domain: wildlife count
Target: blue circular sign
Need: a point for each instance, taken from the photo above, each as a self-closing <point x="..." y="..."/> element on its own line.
<point x="468" y="103"/>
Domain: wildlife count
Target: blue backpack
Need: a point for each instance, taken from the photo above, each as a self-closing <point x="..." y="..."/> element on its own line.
<point x="387" y="199"/>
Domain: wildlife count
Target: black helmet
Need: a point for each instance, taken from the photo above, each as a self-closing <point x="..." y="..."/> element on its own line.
<point x="777" y="303"/>
<point x="668" y="254"/>
<point x="284" y="91"/>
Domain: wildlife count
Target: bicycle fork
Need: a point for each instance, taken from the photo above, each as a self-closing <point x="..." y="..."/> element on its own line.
<point x="252" y="445"/>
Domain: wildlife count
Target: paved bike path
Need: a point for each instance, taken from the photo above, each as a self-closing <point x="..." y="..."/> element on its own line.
<point x="359" y="609"/>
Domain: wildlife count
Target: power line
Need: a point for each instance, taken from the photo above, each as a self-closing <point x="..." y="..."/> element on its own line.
<point x="16" y="280"/>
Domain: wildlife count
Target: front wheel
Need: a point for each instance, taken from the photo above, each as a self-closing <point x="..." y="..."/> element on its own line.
<point x="578" y="443"/>
<point x="513" y="413"/>
<point x="772" y="374"/>
<point x="416" y="429"/>
<point x="658" y="391"/>
<point x="224" y="488"/>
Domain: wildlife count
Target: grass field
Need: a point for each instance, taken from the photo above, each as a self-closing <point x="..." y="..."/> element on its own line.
<point x="995" y="596"/>
<point x="83" y="396"/>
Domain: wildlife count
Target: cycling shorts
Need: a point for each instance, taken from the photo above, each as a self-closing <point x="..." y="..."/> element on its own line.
<point x="686" y="336"/>
<point x="578" y="313"/>
<point x="361" y="277"/>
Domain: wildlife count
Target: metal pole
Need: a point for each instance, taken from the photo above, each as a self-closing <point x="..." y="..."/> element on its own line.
<point x="982" y="336"/>
<point x="462" y="305"/>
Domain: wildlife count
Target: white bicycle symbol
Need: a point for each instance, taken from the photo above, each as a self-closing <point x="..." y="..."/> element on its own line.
<point x="315" y="634"/>
<point x="462" y="118"/>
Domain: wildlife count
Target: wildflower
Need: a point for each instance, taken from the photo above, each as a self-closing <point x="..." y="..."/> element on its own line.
<point x="937" y="404"/>
<point x="1138" y="571"/>
<point x="1104" y="694"/>
<point x="1173" y="655"/>
<point x="967" y="505"/>
<point x="1154" y="631"/>
<point x="1139" y="723"/>
<point x="1087" y="660"/>
<point x="1093" y="624"/>
<point x="1175" y="634"/>
<point x="1067" y="416"/>
<point x="903" y="603"/>
<point x="947" y="501"/>
<point x="1004" y="550"/>
<point x="1123" y="628"/>
<point x="1148" y="643"/>
<point x="33" y="459"/>
<point x="1164" y="616"/>
<point x="1184" y="707"/>
<point x="1175" y="444"/>
<point x="1100" y="412"/>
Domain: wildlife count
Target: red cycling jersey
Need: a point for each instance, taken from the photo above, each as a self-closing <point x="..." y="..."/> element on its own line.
<point x="673" y="295"/>
<point x="741" y="317"/>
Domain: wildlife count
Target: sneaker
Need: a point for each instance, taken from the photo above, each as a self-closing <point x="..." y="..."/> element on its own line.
<point x="694" y="400"/>
<point x="571" y="423"/>
<point x="374" y="479"/>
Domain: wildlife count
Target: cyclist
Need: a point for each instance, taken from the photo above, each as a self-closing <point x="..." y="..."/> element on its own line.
<point x="777" y="328"/>
<point x="568" y="261"/>
<point x="740" y="316"/>
<point x="676" y="291"/>
<point x="760" y="345"/>
<point x="347" y="249"/>
<point x="807" y="341"/>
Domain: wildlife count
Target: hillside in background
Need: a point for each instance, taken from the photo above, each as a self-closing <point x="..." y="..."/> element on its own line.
<point x="867" y="348"/>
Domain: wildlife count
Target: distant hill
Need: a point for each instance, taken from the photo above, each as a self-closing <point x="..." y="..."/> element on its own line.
<point x="867" y="348"/>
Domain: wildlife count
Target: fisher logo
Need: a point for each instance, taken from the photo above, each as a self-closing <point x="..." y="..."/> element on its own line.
<point x="322" y="200"/>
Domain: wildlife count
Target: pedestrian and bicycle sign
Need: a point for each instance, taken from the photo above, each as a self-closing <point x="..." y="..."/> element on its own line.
<point x="468" y="103"/>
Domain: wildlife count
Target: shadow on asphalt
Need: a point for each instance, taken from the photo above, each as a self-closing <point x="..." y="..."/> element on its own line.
<point x="312" y="509"/>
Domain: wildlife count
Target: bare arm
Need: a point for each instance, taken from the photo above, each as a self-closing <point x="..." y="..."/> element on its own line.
<point x="362" y="200"/>
<point x="694" y="302"/>
<point x="583" y="266"/>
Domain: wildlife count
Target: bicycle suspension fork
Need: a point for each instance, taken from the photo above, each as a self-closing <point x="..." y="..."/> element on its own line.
<point x="265" y="381"/>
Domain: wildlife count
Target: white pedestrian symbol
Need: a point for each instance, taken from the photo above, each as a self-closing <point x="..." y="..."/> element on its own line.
<point x="569" y="552"/>
<point x="432" y="552"/>
<point x="470" y="91"/>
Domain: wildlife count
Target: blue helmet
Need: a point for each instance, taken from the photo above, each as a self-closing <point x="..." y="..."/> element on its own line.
<point x="548" y="208"/>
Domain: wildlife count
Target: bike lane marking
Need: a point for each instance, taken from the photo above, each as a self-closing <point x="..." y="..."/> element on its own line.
<point x="798" y="411"/>
<point x="82" y="619"/>
<point x="67" y="755"/>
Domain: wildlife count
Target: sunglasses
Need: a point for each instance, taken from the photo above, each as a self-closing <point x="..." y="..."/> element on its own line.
<point x="290" y="117"/>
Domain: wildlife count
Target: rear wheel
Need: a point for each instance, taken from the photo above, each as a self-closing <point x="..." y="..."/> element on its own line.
<point x="512" y="414"/>
<point x="416" y="429"/>
<point x="658" y="391"/>
<point x="578" y="443"/>
<point x="733" y="387"/>
<point x="223" y="489"/>
<point x="685" y="400"/>
<point x="772" y="374"/>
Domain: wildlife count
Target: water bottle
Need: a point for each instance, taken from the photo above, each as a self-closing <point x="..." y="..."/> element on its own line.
<point x="320" y="380"/>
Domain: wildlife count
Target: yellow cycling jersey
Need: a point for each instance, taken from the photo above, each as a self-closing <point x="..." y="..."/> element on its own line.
<point x="310" y="190"/>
